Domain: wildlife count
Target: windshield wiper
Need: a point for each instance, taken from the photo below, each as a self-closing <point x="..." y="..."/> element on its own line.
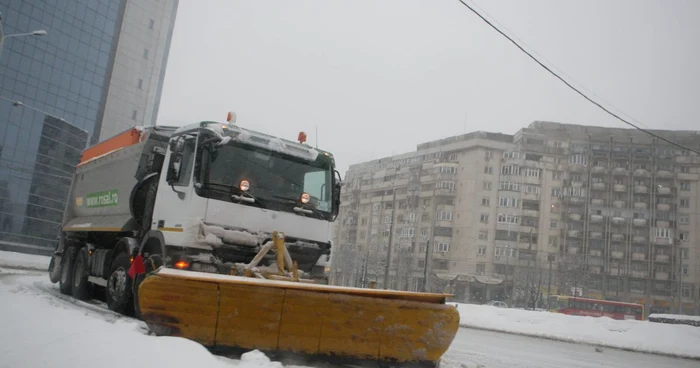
<point x="300" y="209"/>
<point x="242" y="197"/>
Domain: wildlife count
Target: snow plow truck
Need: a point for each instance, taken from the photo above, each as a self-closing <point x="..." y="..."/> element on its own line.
<point x="220" y="234"/>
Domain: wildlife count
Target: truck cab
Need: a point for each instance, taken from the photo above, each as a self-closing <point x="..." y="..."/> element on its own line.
<point x="223" y="190"/>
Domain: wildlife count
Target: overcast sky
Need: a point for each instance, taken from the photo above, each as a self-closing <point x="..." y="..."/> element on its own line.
<point x="379" y="77"/>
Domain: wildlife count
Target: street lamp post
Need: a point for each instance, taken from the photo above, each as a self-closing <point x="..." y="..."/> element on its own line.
<point x="3" y="36"/>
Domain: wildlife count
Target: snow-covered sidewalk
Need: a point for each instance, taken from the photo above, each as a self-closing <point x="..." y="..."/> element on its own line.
<point x="24" y="261"/>
<point x="642" y="336"/>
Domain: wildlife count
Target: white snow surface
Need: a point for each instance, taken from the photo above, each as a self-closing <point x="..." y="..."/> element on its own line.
<point x="643" y="336"/>
<point x="676" y="317"/>
<point x="22" y="260"/>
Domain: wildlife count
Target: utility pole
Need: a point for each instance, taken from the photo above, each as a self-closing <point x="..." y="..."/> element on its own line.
<point x="550" y="259"/>
<point x="391" y="236"/>
<point x="680" y="280"/>
<point x="425" y="267"/>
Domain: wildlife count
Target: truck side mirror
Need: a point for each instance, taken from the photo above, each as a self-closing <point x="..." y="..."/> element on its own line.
<point x="337" y="184"/>
<point x="176" y="148"/>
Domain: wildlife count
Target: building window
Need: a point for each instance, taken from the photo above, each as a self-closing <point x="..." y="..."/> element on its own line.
<point x="442" y="247"/>
<point x="556" y="175"/>
<point x="444" y="216"/>
<point x="508" y="155"/>
<point x="408" y="232"/>
<point x="685" y="169"/>
<point x="685" y="202"/>
<point x="133" y="115"/>
<point x="556" y="192"/>
<point x="510" y="170"/>
<point x="553" y="241"/>
<point x="487" y="185"/>
<point x="684" y="270"/>
<point x="553" y="225"/>
<point x="488" y="170"/>
<point x="504" y="218"/>
<point x="578" y="159"/>
<point x="151" y="23"/>
<point x="685" y="253"/>
<point x="139" y="84"/>
<point x="449" y="185"/>
<point x="683" y="219"/>
<point x="513" y="186"/>
<point x="508" y="202"/>
<point x="664" y="233"/>
<point x="685" y="186"/>
<point x="483" y="235"/>
<point x="686" y="291"/>
<point x="484" y="218"/>
<point x="481" y="251"/>
<point x="486" y="201"/>
<point x="488" y="154"/>
<point x="683" y="237"/>
<point x="532" y="172"/>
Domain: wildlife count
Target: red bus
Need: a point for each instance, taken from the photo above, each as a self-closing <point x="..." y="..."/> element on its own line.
<point x="579" y="306"/>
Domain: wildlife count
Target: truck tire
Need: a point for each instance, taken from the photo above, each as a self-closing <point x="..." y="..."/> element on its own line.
<point x="55" y="269"/>
<point x="118" y="291"/>
<point x="65" y="284"/>
<point x="81" y="286"/>
<point x="152" y="263"/>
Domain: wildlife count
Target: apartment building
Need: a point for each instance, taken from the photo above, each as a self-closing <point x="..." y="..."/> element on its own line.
<point x="556" y="208"/>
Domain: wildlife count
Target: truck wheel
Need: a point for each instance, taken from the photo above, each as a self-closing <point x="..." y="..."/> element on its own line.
<point x="81" y="286"/>
<point x="118" y="290"/>
<point x="55" y="269"/>
<point x="66" y="282"/>
<point x="152" y="263"/>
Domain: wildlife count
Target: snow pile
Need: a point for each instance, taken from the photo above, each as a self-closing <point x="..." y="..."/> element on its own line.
<point x="643" y="336"/>
<point x="675" y="319"/>
<point x="217" y="236"/>
<point x="22" y="260"/>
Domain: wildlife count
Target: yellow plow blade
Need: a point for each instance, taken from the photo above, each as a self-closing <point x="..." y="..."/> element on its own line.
<point x="342" y="323"/>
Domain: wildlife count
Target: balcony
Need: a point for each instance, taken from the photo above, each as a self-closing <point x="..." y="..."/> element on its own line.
<point x="595" y="270"/>
<point x="663" y="241"/>
<point x="639" y="257"/>
<point x="573" y="250"/>
<point x="619" y="204"/>
<point x="599" y="169"/>
<point x="574" y="200"/>
<point x="618" y="237"/>
<point x="620" y="171"/>
<point x="446" y="192"/>
<point x="620" y="187"/>
<point x="639" y="239"/>
<point x="618" y="220"/>
<point x="640" y="274"/>
<point x="659" y="275"/>
<point x="596" y="235"/>
<point x="617" y="254"/>
<point x="640" y="205"/>
<point x="640" y="189"/>
<point x="595" y="252"/>
<point x="598" y="201"/>
<point x="615" y="271"/>
<point x="639" y="222"/>
<point x="664" y="173"/>
<point x="662" y="258"/>
<point x="576" y="167"/>
<point x="596" y="218"/>
<point x="640" y="173"/>
<point x="663" y="190"/>
<point x="598" y="186"/>
<point x="574" y="233"/>
<point x="663" y="206"/>
<point x="575" y="216"/>
<point x="663" y="223"/>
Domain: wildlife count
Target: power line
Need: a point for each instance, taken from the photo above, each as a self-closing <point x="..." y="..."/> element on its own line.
<point x="571" y="86"/>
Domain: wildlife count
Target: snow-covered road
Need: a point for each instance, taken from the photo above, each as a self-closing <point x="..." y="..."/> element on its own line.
<point x="499" y="350"/>
<point x="40" y="328"/>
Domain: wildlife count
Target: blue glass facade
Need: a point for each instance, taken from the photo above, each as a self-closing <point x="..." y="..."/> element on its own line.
<point x="61" y="79"/>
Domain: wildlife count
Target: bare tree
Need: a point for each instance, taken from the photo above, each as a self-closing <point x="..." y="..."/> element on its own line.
<point x="572" y="274"/>
<point x="528" y="280"/>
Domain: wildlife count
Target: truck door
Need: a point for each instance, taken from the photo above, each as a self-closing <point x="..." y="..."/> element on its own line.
<point x="175" y="191"/>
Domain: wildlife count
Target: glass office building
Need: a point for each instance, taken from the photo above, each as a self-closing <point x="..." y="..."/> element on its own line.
<point x="98" y="71"/>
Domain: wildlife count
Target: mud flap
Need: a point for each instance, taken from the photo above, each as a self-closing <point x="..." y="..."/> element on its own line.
<point x="352" y="324"/>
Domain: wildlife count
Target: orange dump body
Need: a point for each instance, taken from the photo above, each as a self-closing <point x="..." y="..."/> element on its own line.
<point x="127" y="138"/>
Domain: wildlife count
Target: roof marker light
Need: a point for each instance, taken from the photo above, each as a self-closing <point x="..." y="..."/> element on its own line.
<point x="302" y="137"/>
<point x="231" y="117"/>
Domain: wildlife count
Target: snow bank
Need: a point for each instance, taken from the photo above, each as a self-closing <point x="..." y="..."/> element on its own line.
<point x="643" y="336"/>
<point x="22" y="260"/>
<point x="50" y="332"/>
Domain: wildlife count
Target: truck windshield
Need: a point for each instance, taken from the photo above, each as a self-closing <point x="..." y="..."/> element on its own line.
<point x="276" y="180"/>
